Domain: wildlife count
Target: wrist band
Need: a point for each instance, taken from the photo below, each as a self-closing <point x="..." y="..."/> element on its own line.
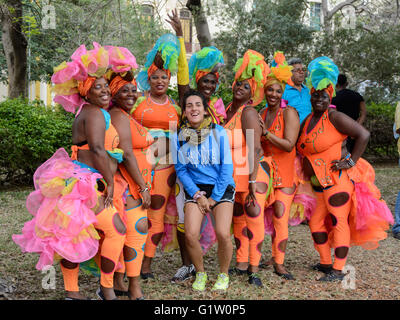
<point x="350" y="162"/>
<point x="348" y="156"/>
<point x="267" y="135"/>
<point x="199" y="194"/>
<point x="252" y="181"/>
<point x="144" y="190"/>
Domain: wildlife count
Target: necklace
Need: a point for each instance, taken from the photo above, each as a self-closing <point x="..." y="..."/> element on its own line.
<point x="195" y="136"/>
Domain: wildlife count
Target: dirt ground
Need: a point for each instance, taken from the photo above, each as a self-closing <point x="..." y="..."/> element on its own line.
<point x="375" y="273"/>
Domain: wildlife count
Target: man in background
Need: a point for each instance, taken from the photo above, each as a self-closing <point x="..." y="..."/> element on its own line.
<point x="351" y="103"/>
<point x="296" y="93"/>
<point x="396" y="131"/>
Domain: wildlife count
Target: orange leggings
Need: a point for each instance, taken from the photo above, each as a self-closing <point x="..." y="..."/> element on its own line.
<point x="110" y="224"/>
<point x="280" y="219"/>
<point x="163" y="181"/>
<point x="135" y="241"/>
<point x="248" y="222"/>
<point x="334" y="201"/>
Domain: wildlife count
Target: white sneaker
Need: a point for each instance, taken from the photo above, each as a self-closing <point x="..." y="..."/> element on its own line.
<point x="183" y="273"/>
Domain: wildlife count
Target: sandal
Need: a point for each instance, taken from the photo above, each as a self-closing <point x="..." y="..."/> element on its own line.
<point x="286" y="276"/>
<point x="100" y="294"/>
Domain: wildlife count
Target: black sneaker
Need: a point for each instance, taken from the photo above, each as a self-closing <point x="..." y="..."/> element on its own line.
<point x="254" y="279"/>
<point x="332" y="276"/>
<point x="286" y="276"/>
<point x="146" y="276"/>
<point x="396" y="235"/>
<point x="319" y="267"/>
<point x="184" y="273"/>
<point x="238" y="272"/>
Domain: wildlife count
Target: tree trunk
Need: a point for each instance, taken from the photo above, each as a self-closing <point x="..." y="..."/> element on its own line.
<point x="15" y="47"/>
<point x="200" y="21"/>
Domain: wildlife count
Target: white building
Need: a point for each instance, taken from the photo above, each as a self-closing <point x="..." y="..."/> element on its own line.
<point x="159" y="10"/>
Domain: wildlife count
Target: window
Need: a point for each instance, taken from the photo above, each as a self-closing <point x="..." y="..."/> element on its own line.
<point x="147" y="10"/>
<point x="186" y="21"/>
<point x="315" y="15"/>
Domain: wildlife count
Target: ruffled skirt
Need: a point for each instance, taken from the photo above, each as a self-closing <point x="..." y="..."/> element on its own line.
<point x="62" y="206"/>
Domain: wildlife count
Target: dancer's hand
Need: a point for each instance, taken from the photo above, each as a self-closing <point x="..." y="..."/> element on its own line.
<point x="175" y="23"/>
<point x="212" y="202"/>
<point x="203" y="204"/>
<point x="337" y="165"/>
<point x="251" y="197"/>
<point x="108" y="195"/>
<point x="262" y="125"/>
<point x="146" y="197"/>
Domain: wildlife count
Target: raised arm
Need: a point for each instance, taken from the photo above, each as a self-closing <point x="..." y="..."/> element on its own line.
<point x="183" y="68"/>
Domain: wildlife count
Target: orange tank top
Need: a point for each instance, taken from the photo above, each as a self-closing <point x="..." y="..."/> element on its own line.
<point x="282" y="161"/>
<point x="238" y="145"/>
<point x="321" y="146"/>
<point x="111" y="141"/>
<point x="141" y="140"/>
<point x="156" y="117"/>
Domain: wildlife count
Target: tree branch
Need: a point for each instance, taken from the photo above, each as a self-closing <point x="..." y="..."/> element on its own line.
<point x="338" y="7"/>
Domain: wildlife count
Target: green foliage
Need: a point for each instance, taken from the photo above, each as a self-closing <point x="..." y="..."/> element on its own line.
<point x="82" y="22"/>
<point x="266" y="27"/>
<point x="366" y="55"/>
<point x="29" y="135"/>
<point x="225" y="93"/>
<point x="379" y="122"/>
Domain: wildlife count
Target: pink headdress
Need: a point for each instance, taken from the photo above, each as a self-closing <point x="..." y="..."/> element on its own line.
<point x="84" y="64"/>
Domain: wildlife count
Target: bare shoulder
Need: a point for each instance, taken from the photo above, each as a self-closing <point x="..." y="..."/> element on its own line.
<point x="335" y="115"/>
<point x="290" y="110"/>
<point x="250" y="111"/>
<point x="291" y="113"/>
<point x="115" y="113"/>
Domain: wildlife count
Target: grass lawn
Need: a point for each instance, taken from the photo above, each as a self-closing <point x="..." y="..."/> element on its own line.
<point x="376" y="272"/>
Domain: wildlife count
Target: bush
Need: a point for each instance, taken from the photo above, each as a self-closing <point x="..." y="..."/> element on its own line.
<point x="29" y="135"/>
<point x="382" y="145"/>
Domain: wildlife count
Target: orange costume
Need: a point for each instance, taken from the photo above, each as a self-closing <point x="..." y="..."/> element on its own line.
<point x="156" y="118"/>
<point x="135" y="238"/>
<point x="321" y="146"/>
<point x="248" y="226"/>
<point x="114" y="239"/>
<point x="348" y="210"/>
<point x="283" y="177"/>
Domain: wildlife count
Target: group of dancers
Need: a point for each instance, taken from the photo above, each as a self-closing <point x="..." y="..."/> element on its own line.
<point x="147" y="169"/>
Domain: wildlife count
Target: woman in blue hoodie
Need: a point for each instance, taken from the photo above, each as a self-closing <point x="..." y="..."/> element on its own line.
<point x="204" y="166"/>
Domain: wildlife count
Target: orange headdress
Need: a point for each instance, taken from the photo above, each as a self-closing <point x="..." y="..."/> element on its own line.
<point x="117" y="83"/>
<point x="153" y="68"/>
<point x="281" y="72"/>
<point x="84" y="86"/>
<point x="254" y="69"/>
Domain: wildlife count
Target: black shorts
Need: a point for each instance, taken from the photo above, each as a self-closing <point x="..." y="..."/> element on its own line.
<point x="228" y="196"/>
